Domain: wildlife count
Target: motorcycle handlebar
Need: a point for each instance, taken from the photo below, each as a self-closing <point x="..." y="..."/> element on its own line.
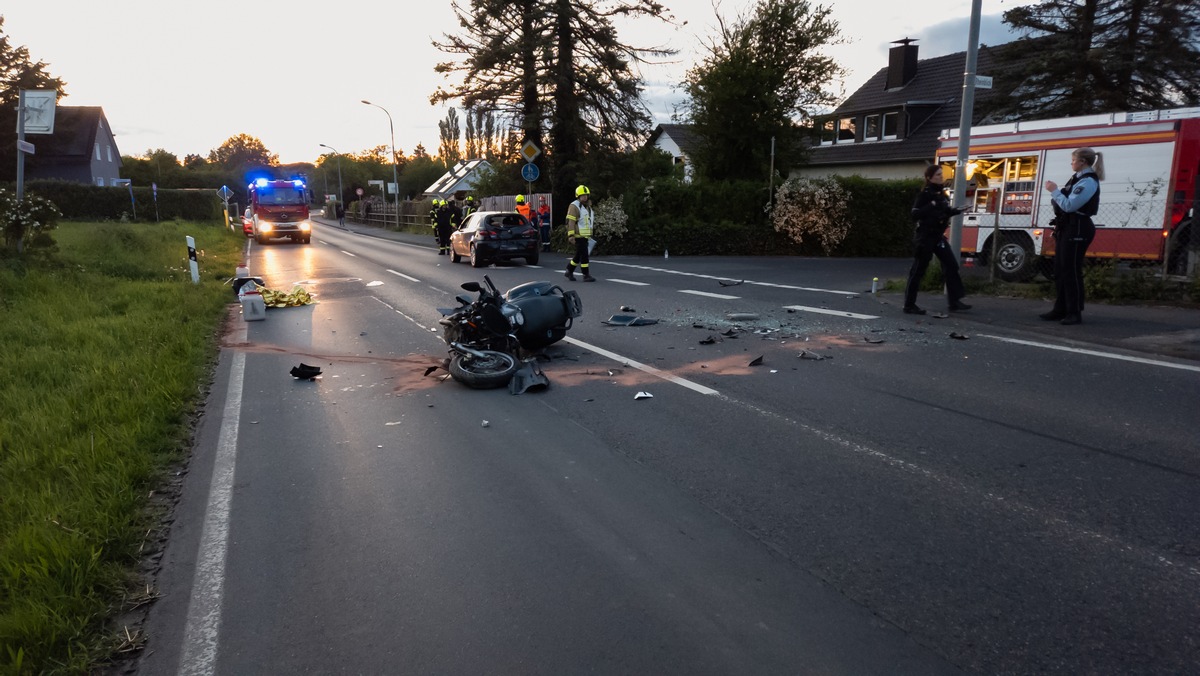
<point x="491" y="286"/>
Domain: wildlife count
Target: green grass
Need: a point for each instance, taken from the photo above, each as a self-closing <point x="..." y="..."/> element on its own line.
<point x="107" y="348"/>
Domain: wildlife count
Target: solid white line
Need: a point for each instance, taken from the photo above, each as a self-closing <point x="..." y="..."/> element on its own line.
<point x="626" y="281"/>
<point x="726" y="279"/>
<point x="1093" y="353"/>
<point x="199" y="655"/>
<point x="825" y="311"/>
<point x="642" y="367"/>
<point x="401" y="274"/>
<point x="348" y="253"/>
<point x="707" y="294"/>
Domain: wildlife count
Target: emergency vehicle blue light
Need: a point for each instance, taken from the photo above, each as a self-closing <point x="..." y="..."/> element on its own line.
<point x="298" y="183"/>
<point x="260" y="182"/>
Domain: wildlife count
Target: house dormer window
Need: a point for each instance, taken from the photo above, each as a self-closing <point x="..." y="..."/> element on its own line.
<point x="847" y="130"/>
<point x="891" y="126"/>
<point x="871" y="128"/>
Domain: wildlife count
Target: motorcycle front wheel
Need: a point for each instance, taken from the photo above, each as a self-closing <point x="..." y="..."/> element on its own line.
<point x="492" y="370"/>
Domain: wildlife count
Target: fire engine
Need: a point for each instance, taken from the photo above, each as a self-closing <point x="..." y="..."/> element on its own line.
<point x="1149" y="167"/>
<point x="279" y="209"/>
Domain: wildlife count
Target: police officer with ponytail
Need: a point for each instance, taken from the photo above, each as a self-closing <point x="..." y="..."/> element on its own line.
<point x="1074" y="206"/>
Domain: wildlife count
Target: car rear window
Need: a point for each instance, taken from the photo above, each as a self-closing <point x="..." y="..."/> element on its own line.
<point x="507" y="221"/>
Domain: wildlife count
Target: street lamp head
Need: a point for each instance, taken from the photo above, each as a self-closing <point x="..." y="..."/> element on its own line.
<point x="367" y="102"/>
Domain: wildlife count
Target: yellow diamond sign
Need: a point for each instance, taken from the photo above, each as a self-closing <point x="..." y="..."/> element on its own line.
<point x="530" y="151"/>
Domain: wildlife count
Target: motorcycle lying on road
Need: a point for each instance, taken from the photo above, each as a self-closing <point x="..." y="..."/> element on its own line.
<point x="487" y="335"/>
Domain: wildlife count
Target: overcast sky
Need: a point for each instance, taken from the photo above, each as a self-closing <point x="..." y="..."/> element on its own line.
<point x="187" y="77"/>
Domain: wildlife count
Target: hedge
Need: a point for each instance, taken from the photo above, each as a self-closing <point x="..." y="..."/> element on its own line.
<point x="83" y="202"/>
<point x="730" y="218"/>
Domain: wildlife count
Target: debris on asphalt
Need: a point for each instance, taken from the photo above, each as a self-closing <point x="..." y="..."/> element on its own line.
<point x="643" y="395"/>
<point x="741" y="316"/>
<point x="305" y="372"/>
<point x="873" y="341"/>
<point x="939" y="315"/>
<point x="711" y="340"/>
<point x="628" y="320"/>
<point x="806" y="354"/>
<point x="958" y="336"/>
<point x="528" y="378"/>
<point x="298" y="296"/>
<point x="731" y="333"/>
<point x="485" y="424"/>
<point x="626" y="308"/>
<point x="757" y="361"/>
<point x="740" y="281"/>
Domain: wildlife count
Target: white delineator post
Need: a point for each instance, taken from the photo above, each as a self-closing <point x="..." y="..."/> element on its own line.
<point x="191" y="243"/>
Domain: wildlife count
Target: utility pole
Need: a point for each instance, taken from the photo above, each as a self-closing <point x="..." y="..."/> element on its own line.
<point x="964" y="128"/>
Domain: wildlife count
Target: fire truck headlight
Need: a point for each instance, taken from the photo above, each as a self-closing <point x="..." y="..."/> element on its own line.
<point x="305" y="226"/>
<point x="265" y="226"/>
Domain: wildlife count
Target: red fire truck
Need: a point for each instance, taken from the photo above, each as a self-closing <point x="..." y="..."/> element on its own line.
<point x="279" y="209"/>
<point x="1149" y="167"/>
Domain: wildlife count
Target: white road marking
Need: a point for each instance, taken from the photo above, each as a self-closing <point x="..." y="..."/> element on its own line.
<point x="826" y="311"/>
<point x="695" y="387"/>
<point x="1094" y="353"/>
<point x="423" y="327"/>
<point x="199" y="655"/>
<point x="401" y="274"/>
<point x="727" y="279"/>
<point x="348" y="253"/>
<point x="707" y="294"/>
<point x="626" y="281"/>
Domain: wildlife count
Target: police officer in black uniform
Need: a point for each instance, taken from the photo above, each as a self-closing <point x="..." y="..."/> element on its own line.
<point x="932" y="212"/>
<point x="1074" y="206"/>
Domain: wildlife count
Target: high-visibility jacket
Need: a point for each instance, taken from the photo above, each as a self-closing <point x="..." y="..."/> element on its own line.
<point x="580" y="219"/>
<point x="524" y="210"/>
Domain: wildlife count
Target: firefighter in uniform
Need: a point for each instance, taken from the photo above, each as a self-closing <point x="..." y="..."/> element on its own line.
<point x="1074" y="205"/>
<point x="469" y="207"/>
<point x="433" y="217"/>
<point x="580" y="219"/>
<point x="448" y="218"/>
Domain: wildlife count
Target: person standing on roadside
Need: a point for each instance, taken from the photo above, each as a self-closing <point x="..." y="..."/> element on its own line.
<point x="580" y="220"/>
<point x="1074" y="205"/>
<point x="932" y="212"/>
<point x="341" y="214"/>
<point x="543" y="218"/>
<point x="448" y="218"/>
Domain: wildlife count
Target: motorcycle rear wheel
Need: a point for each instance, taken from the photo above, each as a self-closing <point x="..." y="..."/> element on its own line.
<point x="492" y="370"/>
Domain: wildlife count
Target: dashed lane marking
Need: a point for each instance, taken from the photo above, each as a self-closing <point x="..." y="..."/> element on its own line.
<point x="708" y="295"/>
<point x="827" y="311"/>
<point x="401" y="274"/>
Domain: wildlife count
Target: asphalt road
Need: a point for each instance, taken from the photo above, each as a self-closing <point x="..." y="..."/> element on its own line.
<point x="875" y="497"/>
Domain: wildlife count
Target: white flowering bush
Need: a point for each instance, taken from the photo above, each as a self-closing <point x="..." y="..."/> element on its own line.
<point x="25" y="219"/>
<point x="813" y="208"/>
<point x="611" y="219"/>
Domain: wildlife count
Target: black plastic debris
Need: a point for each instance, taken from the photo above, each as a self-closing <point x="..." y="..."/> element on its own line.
<point x="697" y="326"/>
<point x="873" y="341"/>
<point x="305" y="372"/>
<point x="806" y="354"/>
<point x="711" y="340"/>
<point x="239" y="282"/>
<point x="722" y="283"/>
<point x="741" y="316"/>
<point x="958" y="336"/>
<point x="757" y="361"/>
<point x="628" y="320"/>
<point x="626" y="308"/>
<point x="528" y="378"/>
<point x="730" y="333"/>
<point x="444" y="366"/>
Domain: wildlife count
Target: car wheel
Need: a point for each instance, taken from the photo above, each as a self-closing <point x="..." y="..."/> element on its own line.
<point x="476" y="259"/>
<point x="454" y="257"/>
<point x="532" y="259"/>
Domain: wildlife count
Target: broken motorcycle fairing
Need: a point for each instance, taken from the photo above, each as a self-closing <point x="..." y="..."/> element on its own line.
<point x="483" y="331"/>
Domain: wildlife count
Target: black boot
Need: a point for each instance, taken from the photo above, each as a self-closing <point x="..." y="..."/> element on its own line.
<point x="570" y="272"/>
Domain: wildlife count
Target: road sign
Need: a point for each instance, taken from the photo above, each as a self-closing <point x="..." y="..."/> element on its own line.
<point x="359" y="192"/>
<point x="530" y="151"/>
<point x="530" y="172"/>
<point x="25" y="147"/>
<point x="225" y="193"/>
<point x="983" y="81"/>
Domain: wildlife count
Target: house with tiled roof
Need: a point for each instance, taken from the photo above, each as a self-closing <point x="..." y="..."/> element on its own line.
<point x="678" y="140"/>
<point x="889" y="127"/>
<point x="82" y="149"/>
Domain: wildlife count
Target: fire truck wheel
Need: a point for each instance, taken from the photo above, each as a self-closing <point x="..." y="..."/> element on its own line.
<point x="1015" y="261"/>
<point x="1180" y="243"/>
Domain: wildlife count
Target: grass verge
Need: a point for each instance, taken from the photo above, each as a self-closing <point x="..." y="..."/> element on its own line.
<point x="108" y="348"/>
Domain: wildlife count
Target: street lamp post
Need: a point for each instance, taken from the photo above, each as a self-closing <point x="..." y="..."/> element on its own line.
<point x="395" y="174"/>
<point x="341" y="193"/>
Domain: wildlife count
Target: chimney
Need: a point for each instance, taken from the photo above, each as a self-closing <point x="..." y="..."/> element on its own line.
<point x="902" y="63"/>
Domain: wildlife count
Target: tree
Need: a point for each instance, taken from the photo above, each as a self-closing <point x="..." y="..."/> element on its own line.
<point x="17" y="71"/>
<point x="449" y="149"/>
<point x="555" y="65"/>
<point x="482" y="137"/>
<point x="763" y="74"/>
<point x="1079" y="57"/>
<point x="243" y="152"/>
